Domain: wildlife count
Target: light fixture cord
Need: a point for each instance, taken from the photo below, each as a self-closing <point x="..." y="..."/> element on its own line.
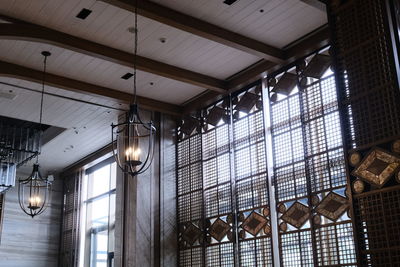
<point x="41" y="107"/>
<point x="135" y="53"/>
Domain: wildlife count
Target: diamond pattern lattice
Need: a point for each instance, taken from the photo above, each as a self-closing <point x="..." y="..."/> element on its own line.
<point x="191" y="234"/>
<point x="377" y="167"/>
<point x="296" y="215"/>
<point x="254" y="223"/>
<point x="332" y="206"/>
<point x="219" y="229"/>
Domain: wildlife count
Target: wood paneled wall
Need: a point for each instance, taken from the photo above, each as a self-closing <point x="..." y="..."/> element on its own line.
<point x="31" y="242"/>
<point x="149" y="236"/>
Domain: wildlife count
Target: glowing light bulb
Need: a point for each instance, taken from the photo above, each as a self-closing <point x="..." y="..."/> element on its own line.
<point x="34" y="202"/>
<point x="133" y="155"/>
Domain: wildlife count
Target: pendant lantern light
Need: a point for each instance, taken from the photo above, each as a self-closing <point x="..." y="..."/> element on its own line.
<point x="34" y="191"/>
<point x="133" y="140"/>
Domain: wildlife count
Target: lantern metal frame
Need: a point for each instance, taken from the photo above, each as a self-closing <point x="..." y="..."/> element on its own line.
<point x="35" y="182"/>
<point x="129" y="128"/>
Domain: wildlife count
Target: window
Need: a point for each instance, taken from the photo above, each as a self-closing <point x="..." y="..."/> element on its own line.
<point x="247" y="191"/>
<point x="98" y="215"/>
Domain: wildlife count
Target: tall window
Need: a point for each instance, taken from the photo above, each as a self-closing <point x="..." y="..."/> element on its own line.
<point x="98" y="215"/>
<point x="223" y="203"/>
<point x="232" y="211"/>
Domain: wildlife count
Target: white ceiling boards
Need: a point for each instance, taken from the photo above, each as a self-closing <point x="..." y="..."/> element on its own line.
<point x="179" y="64"/>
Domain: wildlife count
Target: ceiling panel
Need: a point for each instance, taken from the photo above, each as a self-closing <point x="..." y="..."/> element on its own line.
<point x="87" y="126"/>
<point x="96" y="71"/>
<point x="109" y="25"/>
<point x="280" y="23"/>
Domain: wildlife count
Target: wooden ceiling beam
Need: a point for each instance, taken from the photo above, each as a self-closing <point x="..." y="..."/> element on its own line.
<point x="23" y="73"/>
<point x="200" y="28"/>
<point x="35" y="33"/>
<point x="298" y="49"/>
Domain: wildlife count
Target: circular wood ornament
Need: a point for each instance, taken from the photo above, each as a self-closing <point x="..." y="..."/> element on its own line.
<point x="273" y="97"/>
<point x="282" y="208"/>
<point x="398" y="177"/>
<point x="354" y="158"/>
<point x="283" y="226"/>
<point x="230" y="236"/>
<point x="272" y="82"/>
<point x="229" y="218"/>
<point x="396" y="146"/>
<point x="303" y="82"/>
<point x="301" y="65"/>
<point x="236" y="115"/>
<point x="267" y="229"/>
<point x="358" y="186"/>
<point x="241" y="217"/>
<point x="317" y="219"/>
<point x="265" y="211"/>
<point x="315" y="200"/>
<point x="259" y="105"/>
<point x="242" y="234"/>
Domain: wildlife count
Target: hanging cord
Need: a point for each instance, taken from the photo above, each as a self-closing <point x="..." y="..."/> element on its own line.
<point x="135" y="53"/>
<point x="45" y="54"/>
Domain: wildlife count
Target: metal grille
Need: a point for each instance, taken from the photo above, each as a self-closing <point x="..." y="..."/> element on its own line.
<point x="367" y="75"/>
<point x="70" y="225"/>
<point x="251" y="178"/>
<point x="309" y="168"/>
<point x="365" y="67"/>
<point x="223" y="207"/>
<point x="378" y="222"/>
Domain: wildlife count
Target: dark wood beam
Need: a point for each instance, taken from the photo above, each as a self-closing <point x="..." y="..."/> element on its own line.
<point x="23" y="73"/>
<point x="35" y="33"/>
<point x="308" y="44"/>
<point x="199" y="27"/>
<point x="298" y="49"/>
<point x="315" y="3"/>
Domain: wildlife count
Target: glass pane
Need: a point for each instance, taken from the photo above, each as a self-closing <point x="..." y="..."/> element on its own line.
<point x="113" y="176"/>
<point x="99" y="249"/>
<point x="111" y="224"/>
<point x="99" y="182"/>
<point x="98" y="212"/>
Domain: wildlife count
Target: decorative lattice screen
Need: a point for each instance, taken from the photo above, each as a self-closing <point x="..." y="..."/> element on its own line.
<point x="223" y="184"/>
<point x="364" y="38"/>
<point x="223" y="205"/>
<point x="309" y="167"/>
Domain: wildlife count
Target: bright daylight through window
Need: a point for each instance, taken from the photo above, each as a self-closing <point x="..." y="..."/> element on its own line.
<point x="98" y="215"/>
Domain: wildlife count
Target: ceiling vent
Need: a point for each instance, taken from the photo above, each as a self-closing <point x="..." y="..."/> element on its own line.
<point x="84" y="13"/>
<point x="127" y="76"/>
<point x="229" y="2"/>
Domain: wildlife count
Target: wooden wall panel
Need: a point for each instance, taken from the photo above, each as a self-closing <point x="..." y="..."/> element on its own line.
<point x="31" y="242"/>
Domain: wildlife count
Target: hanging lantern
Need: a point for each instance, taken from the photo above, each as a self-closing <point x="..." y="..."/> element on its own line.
<point x="133" y="143"/>
<point x="34" y="191"/>
<point x="133" y="140"/>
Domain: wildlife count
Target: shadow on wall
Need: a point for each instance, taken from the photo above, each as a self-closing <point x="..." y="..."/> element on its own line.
<point x="31" y="242"/>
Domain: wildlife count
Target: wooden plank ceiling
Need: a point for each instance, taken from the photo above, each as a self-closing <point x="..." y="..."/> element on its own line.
<point x="210" y="48"/>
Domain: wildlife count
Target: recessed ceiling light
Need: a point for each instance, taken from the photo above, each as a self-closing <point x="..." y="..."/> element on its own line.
<point x="229" y="2"/>
<point x="151" y="83"/>
<point x="261" y="10"/>
<point x="84" y="13"/>
<point x="127" y="76"/>
<point x="163" y="40"/>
